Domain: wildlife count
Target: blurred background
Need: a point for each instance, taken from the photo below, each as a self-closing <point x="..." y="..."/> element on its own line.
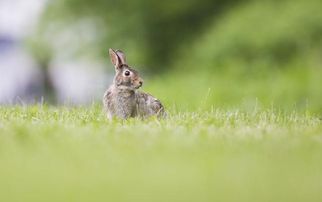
<point x="193" y="54"/>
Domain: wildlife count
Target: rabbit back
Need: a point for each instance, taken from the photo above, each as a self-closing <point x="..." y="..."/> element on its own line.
<point x="147" y="105"/>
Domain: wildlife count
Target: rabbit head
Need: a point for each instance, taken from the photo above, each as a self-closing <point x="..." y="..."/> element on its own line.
<point x="125" y="78"/>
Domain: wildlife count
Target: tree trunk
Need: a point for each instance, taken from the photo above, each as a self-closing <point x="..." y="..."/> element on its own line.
<point x="49" y="94"/>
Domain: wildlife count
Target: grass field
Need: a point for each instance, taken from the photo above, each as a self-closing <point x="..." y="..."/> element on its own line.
<point x="75" y="154"/>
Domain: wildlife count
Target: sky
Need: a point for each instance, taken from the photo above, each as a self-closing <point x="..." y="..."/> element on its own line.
<point x="18" y="18"/>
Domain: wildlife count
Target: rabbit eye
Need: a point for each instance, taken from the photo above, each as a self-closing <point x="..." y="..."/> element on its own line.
<point x="127" y="73"/>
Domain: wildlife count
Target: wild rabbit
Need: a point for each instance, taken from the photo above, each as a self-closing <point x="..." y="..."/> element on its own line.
<point x="122" y="99"/>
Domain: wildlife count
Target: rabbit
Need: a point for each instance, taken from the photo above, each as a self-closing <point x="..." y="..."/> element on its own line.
<point x="123" y="99"/>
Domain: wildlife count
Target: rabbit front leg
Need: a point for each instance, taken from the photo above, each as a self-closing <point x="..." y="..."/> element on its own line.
<point x="124" y="112"/>
<point x="125" y="105"/>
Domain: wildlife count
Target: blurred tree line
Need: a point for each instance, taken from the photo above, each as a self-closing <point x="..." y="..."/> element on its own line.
<point x="158" y="34"/>
<point x="194" y="35"/>
<point x="149" y="30"/>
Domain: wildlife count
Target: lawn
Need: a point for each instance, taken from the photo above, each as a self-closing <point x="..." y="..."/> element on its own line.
<point x="75" y="154"/>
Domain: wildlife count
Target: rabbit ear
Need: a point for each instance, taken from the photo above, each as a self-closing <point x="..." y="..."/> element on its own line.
<point x="121" y="56"/>
<point x="117" y="58"/>
<point x="114" y="58"/>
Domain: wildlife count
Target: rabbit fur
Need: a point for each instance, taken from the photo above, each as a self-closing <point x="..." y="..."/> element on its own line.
<point x="123" y="99"/>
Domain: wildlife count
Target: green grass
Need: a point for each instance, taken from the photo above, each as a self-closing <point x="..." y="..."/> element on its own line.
<point x="75" y="154"/>
<point x="296" y="88"/>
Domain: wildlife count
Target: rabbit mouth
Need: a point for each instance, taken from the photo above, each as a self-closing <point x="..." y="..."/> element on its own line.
<point x="139" y="85"/>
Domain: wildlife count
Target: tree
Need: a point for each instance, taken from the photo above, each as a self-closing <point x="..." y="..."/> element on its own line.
<point x="151" y="31"/>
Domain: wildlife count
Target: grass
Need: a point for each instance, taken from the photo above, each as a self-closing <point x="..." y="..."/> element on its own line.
<point x="75" y="154"/>
<point x="296" y="88"/>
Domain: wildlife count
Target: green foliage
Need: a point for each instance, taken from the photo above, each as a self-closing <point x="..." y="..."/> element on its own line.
<point x="263" y="54"/>
<point x="211" y="33"/>
<point x="150" y="31"/>
<point x="294" y="88"/>
<point x="227" y="54"/>
<point x="75" y="154"/>
<point x="267" y="34"/>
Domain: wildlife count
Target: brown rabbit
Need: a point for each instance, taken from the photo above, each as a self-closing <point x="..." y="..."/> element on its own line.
<point x="122" y="99"/>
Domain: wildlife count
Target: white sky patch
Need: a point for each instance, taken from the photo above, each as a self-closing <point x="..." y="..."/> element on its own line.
<point x="19" y="17"/>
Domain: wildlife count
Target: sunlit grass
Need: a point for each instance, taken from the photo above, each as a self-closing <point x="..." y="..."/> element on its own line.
<point x="75" y="154"/>
<point x="291" y="89"/>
